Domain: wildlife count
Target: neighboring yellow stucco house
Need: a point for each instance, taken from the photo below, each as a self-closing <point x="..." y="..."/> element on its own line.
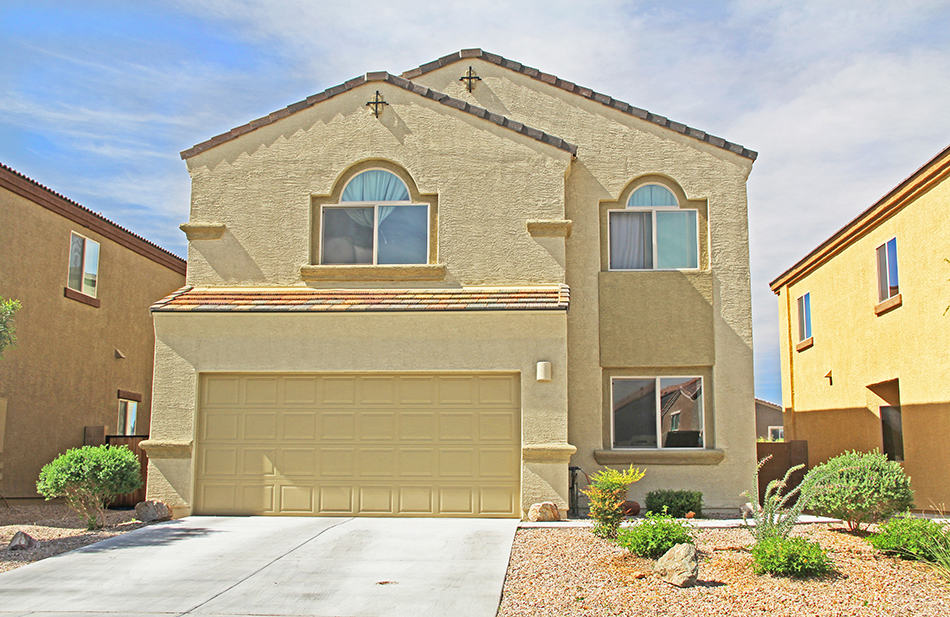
<point x="865" y="335"/>
<point x="428" y="295"/>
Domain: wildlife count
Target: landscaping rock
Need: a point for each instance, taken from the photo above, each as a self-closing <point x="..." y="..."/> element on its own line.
<point x="678" y="566"/>
<point x="748" y="510"/>
<point x="630" y="508"/>
<point x="21" y="542"/>
<point x="543" y="512"/>
<point x="151" y="511"/>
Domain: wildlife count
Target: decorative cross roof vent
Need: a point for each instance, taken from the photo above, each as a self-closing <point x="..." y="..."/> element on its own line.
<point x="470" y="78"/>
<point x="377" y="103"/>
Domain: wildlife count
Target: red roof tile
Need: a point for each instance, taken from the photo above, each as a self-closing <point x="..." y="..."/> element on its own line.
<point x="538" y="298"/>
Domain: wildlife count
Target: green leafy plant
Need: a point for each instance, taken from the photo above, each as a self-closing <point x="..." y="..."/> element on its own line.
<point x="607" y="492"/>
<point x="912" y="538"/>
<point x="859" y="488"/>
<point x="656" y="534"/>
<point x="677" y="503"/>
<point x="8" y="308"/>
<point x="776" y="516"/>
<point x="88" y="477"/>
<point x="795" y="557"/>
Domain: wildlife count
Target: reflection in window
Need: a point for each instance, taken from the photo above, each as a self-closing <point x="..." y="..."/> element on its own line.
<point x="887" y="283"/>
<point x="664" y="412"/>
<point x="893" y="432"/>
<point x="127" y="413"/>
<point x="83" y="274"/>
<point x="804" y="317"/>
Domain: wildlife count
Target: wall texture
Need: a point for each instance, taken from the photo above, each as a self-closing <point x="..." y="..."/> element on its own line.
<point x="63" y="373"/>
<point x="861" y="348"/>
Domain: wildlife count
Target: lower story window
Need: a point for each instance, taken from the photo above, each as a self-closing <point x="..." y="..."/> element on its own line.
<point x="127" y="412"/>
<point x="657" y="412"/>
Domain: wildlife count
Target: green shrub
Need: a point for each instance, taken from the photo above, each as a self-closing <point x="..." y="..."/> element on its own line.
<point x="607" y="492"/>
<point x="795" y="557"/>
<point x="655" y="535"/>
<point x="677" y="503"/>
<point x="912" y="538"/>
<point x="859" y="488"/>
<point x="89" y="477"/>
<point x="779" y="511"/>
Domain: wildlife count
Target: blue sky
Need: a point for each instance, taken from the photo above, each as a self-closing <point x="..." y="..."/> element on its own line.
<point x="841" y="99"/>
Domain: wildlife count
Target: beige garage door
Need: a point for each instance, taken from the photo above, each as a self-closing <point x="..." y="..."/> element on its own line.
<point x="366" y="444"/>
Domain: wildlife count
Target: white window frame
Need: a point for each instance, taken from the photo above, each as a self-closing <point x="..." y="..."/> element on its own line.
<point x="799" y="306"/>
<point x="375" y="205"/>
<point x="887" y="271"/>
<point x="82" y="267"/>
<point x="124" y="429"/>
<point x="654" y="210"/>
<point x="658" y="409"/>
<point x="779" y="428"/>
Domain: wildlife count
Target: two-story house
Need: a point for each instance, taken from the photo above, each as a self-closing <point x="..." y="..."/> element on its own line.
<point x="429" y="294"/>
<point x="82" y="367"/>
<point x="865" y="331"/>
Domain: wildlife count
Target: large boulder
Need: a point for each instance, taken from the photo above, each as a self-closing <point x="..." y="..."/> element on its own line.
<point x="543" y="512"/>
<point x="678" y="566"/>
<point x="21" y="541"/>
<point x="151" y="511"/>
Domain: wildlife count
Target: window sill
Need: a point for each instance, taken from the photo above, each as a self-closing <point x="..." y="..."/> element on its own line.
<point x="78" y="296"/>
<point x="667" y="456"/>
<point x="808" y="342"/>
<point x="888" y="305"/>
<point x="416" y="272"/>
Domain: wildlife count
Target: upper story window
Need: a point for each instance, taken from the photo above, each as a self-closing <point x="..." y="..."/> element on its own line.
<point x="127" y="417"/>
<point x="887" y="285"/>
<point x="653" y="232"/>
<point x="375" y="223"/>
<point x="83" y="273"/>
<point x="804" y="317"/>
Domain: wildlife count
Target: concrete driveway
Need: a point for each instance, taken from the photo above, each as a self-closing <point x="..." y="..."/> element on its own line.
<point x="343" y="567"/>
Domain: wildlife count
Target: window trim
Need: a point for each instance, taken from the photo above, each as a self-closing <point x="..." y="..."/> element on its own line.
<point x="654" y="210"/>
<point x="657" y="409"/>
<point x="124" y="429"/>
<point x="775" y="426"/>
<point x="82" y="268"/>
<point x="375" y="206"/>
<point x="886" y="283"/>
<point x="803" y="336"/>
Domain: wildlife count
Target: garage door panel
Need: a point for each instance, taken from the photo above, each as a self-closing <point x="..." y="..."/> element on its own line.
<point x="373" y="444"/>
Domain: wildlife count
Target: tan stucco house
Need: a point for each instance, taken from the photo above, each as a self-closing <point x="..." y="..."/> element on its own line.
<point x="865" y="332"/>
<point x="429" y="294"/>
<point x="82" y="367"/>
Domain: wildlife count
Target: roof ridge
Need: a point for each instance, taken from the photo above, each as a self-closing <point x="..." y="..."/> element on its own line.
<point x="395" y="80"/>
<point x="583" y="91"/>
<point x="9" y="171"/>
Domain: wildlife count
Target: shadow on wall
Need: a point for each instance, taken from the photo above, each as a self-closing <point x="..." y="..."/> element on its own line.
<point x="229" y="259"/>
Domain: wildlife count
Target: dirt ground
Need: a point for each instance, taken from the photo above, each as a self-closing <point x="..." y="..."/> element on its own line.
<point x="571" y="572"/>
<point x="55" y="527"/>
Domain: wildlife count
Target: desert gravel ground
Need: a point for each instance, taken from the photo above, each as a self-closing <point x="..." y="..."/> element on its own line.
<point x="55" y="528"/>
<point x="569" y="571"/>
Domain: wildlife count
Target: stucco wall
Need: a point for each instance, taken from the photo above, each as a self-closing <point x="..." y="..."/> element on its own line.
<point x="614" y="150"/>
<point x="63" y="374"/>
<point x="859" y="348"/>
<point x="189" y="344"/>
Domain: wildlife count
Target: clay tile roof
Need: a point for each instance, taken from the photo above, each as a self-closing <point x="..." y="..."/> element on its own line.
<point x="534" y="298"/>
<point x="400" y="82"/>
<point x="46" y="197"/>
<point x="587" y="93"/>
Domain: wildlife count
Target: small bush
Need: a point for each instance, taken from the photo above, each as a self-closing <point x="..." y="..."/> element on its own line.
<point x="677" y="503"/>
<point x="795" y="557"/>
<point x="89" y="477"/>
<point x="912" y="538"/>
<point x="655" y="535"/>
<point x="607" y="492"/>
<point x="859" y="488"/>
<point x="776" y="516"/>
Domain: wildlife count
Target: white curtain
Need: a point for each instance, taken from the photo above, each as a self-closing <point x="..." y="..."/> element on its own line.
<point x="631" y="240"/>
<point x="375" y="185"/>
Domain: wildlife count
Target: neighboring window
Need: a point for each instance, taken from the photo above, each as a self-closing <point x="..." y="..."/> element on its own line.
<point x="657" y="412"/>
<point x="378" y="224"/>
<point x="893" y="432"/>
<point x="127" y="412"/>
<point x="887" y="286"/>
<point x="83" y="265"/>
<point x="804" y="317"/>
<point x="653" y="233"/>
<point x="776" y="433"/>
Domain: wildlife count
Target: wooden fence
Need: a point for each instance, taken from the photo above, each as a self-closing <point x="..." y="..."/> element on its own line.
<point x="132" y="442"/>
<point x="785" y="455"/>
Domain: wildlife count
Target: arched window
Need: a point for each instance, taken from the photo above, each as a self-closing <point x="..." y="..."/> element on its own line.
<point x="653" y="232"/>
<point x="375" y="223"/>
